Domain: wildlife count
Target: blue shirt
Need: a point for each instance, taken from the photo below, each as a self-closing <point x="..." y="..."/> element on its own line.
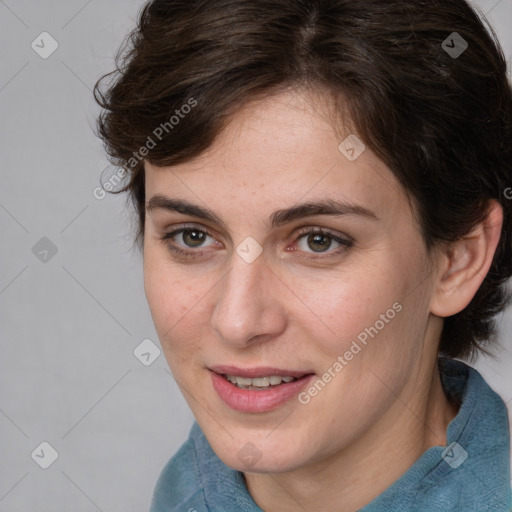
<point x="470" y="474"/>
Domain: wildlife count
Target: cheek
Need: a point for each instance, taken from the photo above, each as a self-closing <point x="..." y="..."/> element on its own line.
<point x="172" y="298"/>
<point x="365" y="312"/>
<point x="174" y="305"/>
<point x="346" y="302"/>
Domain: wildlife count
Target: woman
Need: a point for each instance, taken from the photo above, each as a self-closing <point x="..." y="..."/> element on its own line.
<point x="321" y="195"/>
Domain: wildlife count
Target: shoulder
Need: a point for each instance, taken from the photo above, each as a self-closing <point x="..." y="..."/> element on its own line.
<point x="179" y="485"/>
<point x="473" y="473"/>
<point x="196" y="480"/>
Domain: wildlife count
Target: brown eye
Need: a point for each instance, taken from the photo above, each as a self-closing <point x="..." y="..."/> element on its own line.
<point x="189" y="241"/>
<point x="319" y="242"/>
<point x="193" y="237"/>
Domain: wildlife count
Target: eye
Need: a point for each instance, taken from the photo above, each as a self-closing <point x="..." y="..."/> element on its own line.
<point x="186" y="239"/>
<point x="192" y="237"/>
<point x="320" y="241"/>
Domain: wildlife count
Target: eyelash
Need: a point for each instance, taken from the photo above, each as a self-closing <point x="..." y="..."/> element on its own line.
<point x="345" y="243"/>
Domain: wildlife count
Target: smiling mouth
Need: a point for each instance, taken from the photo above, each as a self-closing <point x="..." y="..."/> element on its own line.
<point x="259" y="378"/>
<point x="257" y="390"/>
<point x="258" y="383"/>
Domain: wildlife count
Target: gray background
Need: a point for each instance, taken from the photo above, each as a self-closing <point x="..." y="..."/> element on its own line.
<point x="70" y="321"/>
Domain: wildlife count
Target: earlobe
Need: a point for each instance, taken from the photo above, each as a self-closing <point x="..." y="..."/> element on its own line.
<point x="465" y="263"/>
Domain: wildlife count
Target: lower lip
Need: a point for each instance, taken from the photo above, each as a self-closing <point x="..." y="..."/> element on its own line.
<point x="245" y="400"/>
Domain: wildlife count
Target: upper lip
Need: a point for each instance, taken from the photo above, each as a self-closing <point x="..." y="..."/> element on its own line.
<point x="259" y="371"/>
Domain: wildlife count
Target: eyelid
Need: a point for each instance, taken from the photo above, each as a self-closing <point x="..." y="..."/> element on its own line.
<point x="327" y="231"/>
<point x="188" y="225"/>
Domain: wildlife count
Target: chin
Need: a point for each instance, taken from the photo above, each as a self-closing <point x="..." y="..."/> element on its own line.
<point x="270" y="464"/>
<point x="259" y="453"/>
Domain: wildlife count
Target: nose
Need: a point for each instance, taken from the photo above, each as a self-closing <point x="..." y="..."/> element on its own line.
<point x="248" y="308"/>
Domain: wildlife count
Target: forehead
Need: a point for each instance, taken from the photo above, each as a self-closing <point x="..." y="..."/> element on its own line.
<point x="279" y="151"/>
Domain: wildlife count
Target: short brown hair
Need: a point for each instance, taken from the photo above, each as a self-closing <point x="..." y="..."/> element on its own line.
<point x="442" y="122"/>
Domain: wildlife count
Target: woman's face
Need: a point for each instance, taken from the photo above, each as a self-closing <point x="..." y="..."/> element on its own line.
<point x="265" y="286"/>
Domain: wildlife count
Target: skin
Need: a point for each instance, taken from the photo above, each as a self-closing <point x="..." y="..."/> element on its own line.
<point x="299" y="309"/>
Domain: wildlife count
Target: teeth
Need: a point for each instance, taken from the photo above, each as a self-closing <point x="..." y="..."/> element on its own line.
<point x="275" y="380"/>
<point x="258" y="382"/>
<point x="261" y="382"/>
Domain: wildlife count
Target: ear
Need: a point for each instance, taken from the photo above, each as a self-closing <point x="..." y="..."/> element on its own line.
<point x="464" y="264"/>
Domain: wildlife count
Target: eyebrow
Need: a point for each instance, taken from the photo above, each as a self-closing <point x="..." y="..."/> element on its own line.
<point x="279" y="217"/>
